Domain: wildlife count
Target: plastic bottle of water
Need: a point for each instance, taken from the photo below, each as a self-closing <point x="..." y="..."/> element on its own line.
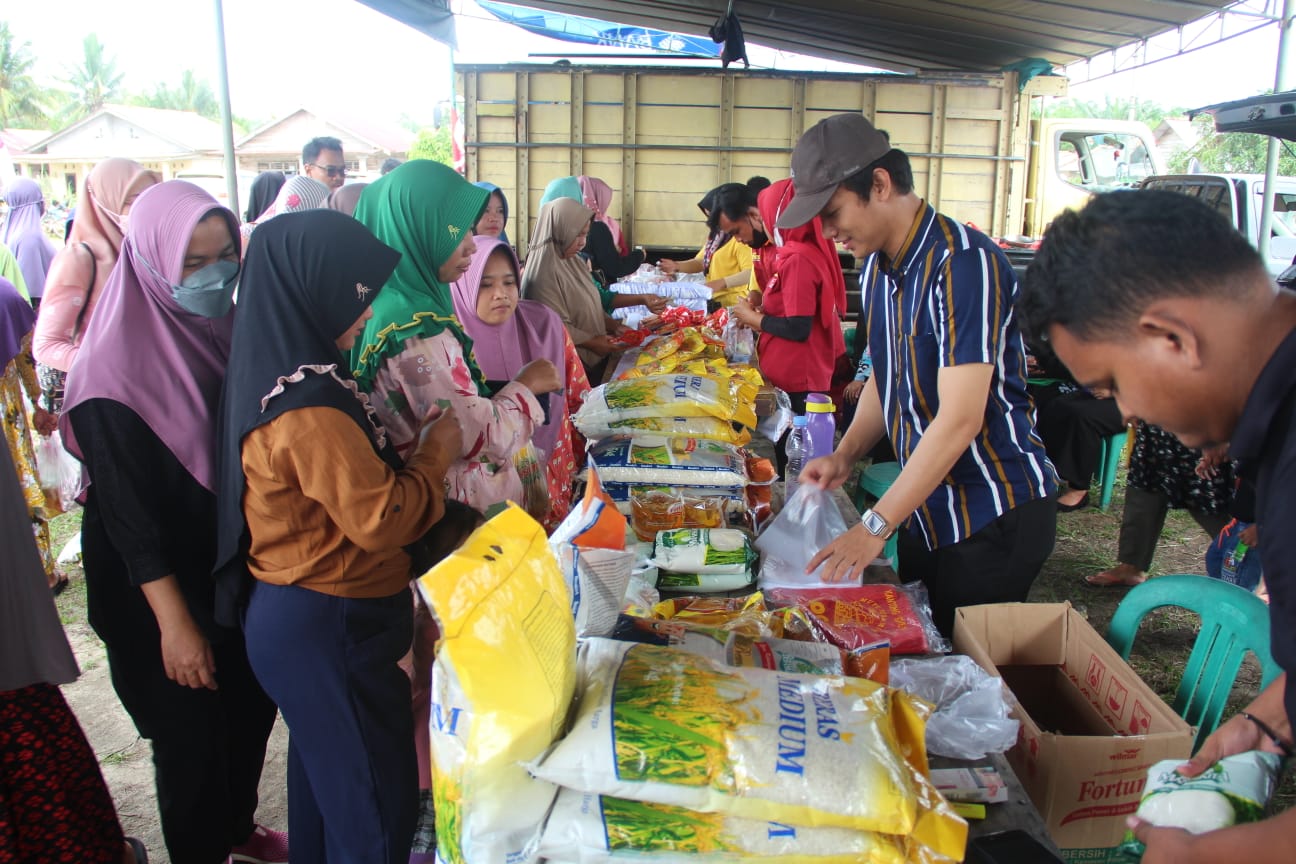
<point x="795" y="449"/>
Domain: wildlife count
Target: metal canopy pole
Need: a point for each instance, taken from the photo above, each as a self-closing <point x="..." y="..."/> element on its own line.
<point x="1271" y="162"/>
<point x="227" y="116"/>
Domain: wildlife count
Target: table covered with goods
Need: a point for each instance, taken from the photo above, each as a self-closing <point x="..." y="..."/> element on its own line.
<point x="660" y="680"/>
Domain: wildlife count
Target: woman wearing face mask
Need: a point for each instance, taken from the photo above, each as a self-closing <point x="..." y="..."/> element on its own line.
<point x="494" y="219"/>
<point x="24" y="235"/>
<point x="314" y="501"/>
<point x="77" y="277"/>
<point x="556" y="277"/>
<point x="507" y="334"/>
<point x="148" y="442"/>
<point x="415" y="358"/>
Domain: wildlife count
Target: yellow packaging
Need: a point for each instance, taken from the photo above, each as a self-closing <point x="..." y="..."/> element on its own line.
<point x="502" y="683"/>
<point x="664" y="726"/>
<point x="729" y="399"/>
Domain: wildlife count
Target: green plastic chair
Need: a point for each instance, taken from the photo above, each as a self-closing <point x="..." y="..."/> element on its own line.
<point x="874" y="481"/>
<point x="1112" y="448"/>
<point x="1233" y="622"/>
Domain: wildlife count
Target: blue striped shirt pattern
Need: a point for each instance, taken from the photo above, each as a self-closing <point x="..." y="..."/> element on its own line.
<point x="946" y="301"/>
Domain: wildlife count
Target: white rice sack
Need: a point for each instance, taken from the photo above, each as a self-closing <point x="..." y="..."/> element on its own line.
<point x="710" y="551"/>
<point x="705" y="583"/>
<point x="652" y="460"/>
<point x="665" y="726"/>
<point x="668" y="396"/>
<point x="1233" y="791"/>
<point x="592" y="829"/>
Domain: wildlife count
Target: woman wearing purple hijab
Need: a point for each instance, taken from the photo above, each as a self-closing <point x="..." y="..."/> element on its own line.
<point x="140" y="411"/>
<point x="25" y="237"/>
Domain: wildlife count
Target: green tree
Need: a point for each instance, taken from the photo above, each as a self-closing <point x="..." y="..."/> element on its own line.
<point x="1110" y="108"/>
<point x="95" y="82"/>
<point x="21" y="102"/>
<point x="1231" y="152"/>
<point x="434" y="144"/>
<point x="193" y="94"/>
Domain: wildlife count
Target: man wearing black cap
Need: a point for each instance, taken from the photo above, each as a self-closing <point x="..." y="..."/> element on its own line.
<point x="974" y="498"/>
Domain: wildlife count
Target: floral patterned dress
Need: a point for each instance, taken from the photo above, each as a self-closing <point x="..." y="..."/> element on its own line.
<point x="562" y="465"/>
<point x="20" y="376"/>
<point x="431" y="374"/>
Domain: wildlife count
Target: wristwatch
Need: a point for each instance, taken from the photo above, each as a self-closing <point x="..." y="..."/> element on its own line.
<point x="876" y="524"/>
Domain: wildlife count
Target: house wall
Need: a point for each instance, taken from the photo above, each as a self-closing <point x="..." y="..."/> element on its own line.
<point x="106" y="136"/>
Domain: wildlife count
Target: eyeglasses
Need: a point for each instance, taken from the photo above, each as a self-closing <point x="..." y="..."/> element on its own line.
<point x="331" y="170"/>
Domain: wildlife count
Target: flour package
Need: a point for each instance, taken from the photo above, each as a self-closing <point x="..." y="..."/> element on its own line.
<point x="502" y="684"/>
<point x="664" y="726"/>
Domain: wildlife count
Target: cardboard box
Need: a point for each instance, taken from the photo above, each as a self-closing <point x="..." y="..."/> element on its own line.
<point x="1090" y="727"/>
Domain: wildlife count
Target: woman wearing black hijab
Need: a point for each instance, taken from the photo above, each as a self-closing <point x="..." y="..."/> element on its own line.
<point x="262" y="194"/>
<point x="316" y="508"/>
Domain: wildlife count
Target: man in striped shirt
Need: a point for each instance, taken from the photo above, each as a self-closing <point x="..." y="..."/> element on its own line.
<point x="975" y="491"/>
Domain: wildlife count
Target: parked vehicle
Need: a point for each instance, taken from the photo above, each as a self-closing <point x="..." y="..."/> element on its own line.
<point x="1239" y="197"/>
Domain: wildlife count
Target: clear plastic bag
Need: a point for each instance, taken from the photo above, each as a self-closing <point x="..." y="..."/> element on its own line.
<point x="808" y="522"/>
<point x="60" y="472"/>
<point x="972" y="707"/>
<point x="772" y="427"/>
<point x="856" y="615"/>
<point x="535" y="487"/>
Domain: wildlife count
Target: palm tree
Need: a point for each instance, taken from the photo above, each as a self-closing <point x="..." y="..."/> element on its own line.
<point x="193" y="94"/>
<point x="95" y="82"/>
<point x="20" y="98"/>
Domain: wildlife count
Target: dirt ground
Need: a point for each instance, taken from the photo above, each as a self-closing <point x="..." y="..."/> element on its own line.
<point x="1086" y="543"/>
<point x="124" y="758"/>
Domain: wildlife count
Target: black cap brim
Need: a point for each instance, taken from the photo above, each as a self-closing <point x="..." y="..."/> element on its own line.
<point x="804" y="208"/>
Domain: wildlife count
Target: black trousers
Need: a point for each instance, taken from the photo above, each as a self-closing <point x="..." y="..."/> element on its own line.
<point x="997" y="564"/>
<point x="1073" y="426"/>
<point x="208" y="745"/>
<point x="1141" y="523"/>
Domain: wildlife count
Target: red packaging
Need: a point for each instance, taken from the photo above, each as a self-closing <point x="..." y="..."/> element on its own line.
<point x="859" y="615"/>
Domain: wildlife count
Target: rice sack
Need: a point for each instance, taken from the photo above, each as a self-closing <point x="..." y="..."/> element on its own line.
<point x="594" y="829"/>
<point x="669" y="396"/>
<point x="713" y="551"/>
<point x="1233" y="791"/>
<point x="653" y="460"/>
<point x="710" y="428"/>
<point x="666" y="726"/>
<point x="502" y="683"/>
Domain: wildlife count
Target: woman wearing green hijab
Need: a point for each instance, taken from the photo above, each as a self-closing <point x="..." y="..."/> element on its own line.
<point x="414" y="358"/>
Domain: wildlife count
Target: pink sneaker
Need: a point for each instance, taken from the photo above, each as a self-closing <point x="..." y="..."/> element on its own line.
<point x="263" y="847"/>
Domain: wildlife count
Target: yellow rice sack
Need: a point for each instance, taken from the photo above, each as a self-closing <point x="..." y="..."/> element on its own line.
<point x="731" y="400"/>
<point x="709" y="428"/>
<point x="664" y="726"/>
<point x="502" y="683"/>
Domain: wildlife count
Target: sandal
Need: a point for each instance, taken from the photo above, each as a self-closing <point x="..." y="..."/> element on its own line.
<point x="1070" y="508"/>
<point x="60" y="584"/>
<point x="1108" y="579"/>
<point x="138" y="850"/>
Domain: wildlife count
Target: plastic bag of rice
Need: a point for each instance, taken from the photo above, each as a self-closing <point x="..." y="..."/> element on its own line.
<point x="651" y="460"/>
<point x="502" y="683"/>
<point x="666" y="726"/>
<point x="594" y="829"/>
<point x="1233" y="791"/>
<point x="669" y="396"/>
<point x="710" y="428"/>
<point x="712" y="551"/>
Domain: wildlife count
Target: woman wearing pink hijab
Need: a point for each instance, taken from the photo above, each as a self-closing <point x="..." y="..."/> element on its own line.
<point x="80" y="270"/>
<point x="140" y="413"/>
<point x="509" y="333"/>
<point x="24" y="235"/>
